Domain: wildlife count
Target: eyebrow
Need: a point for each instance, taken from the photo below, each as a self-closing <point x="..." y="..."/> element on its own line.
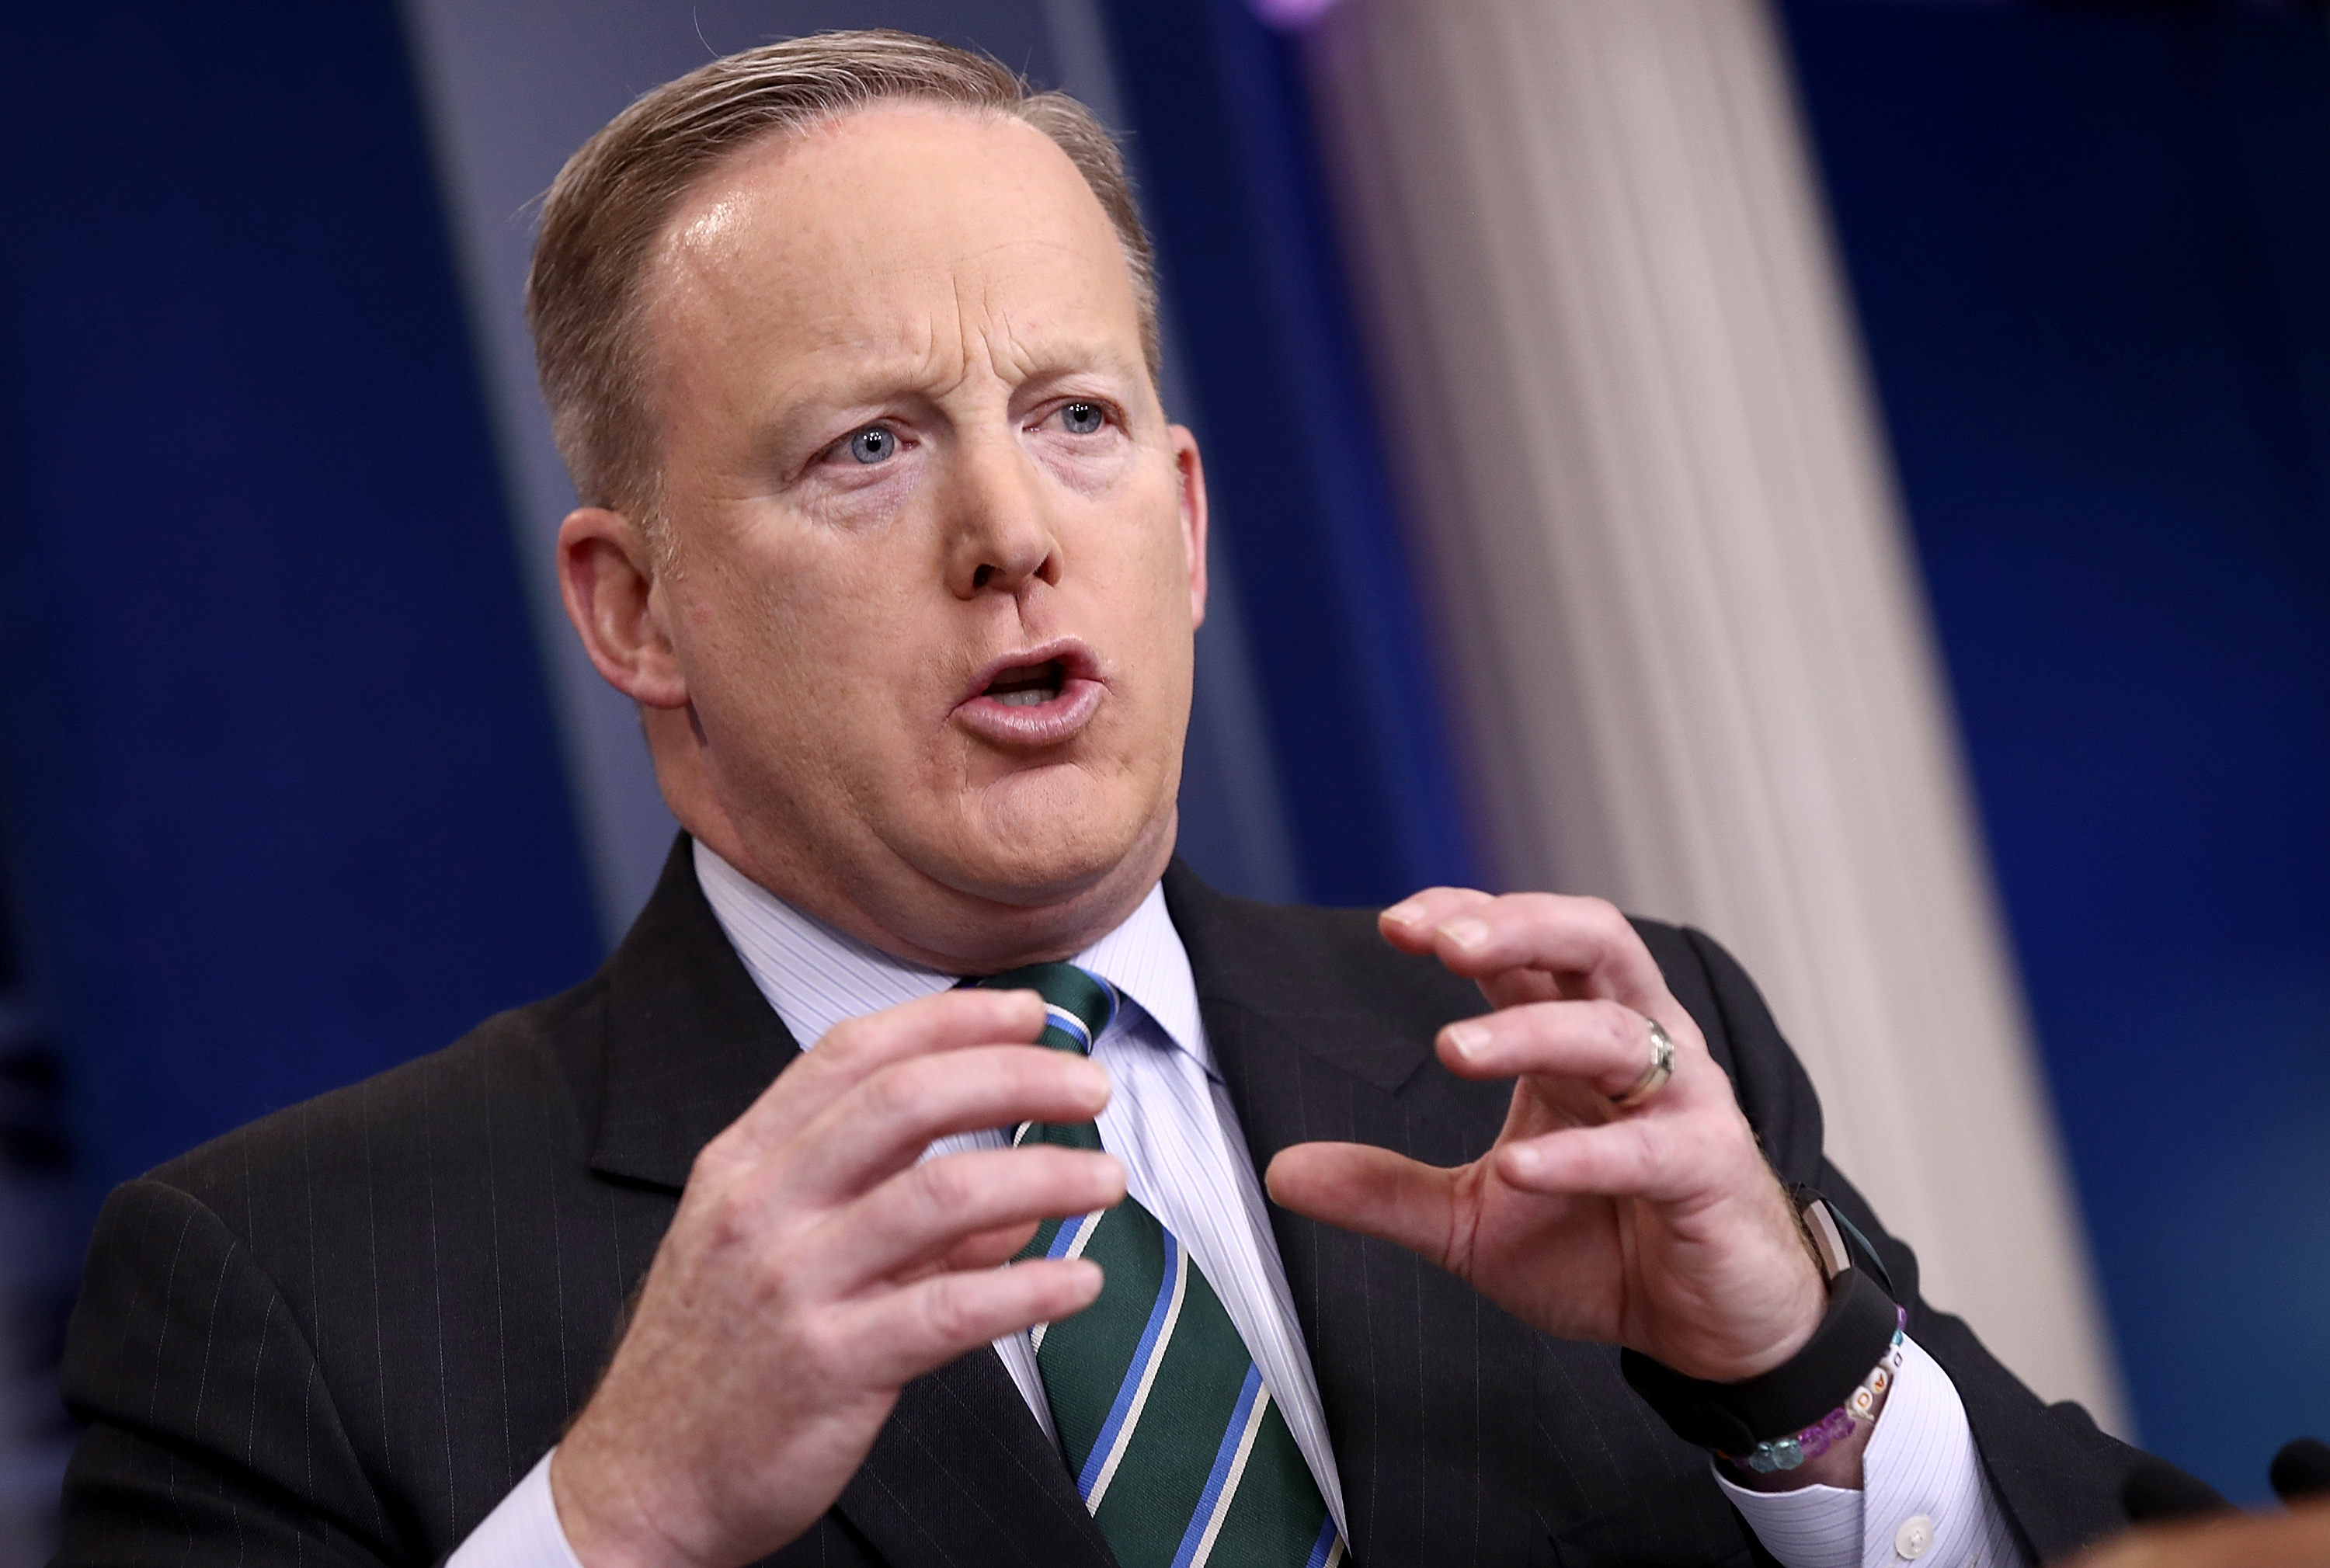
<point x="908" y="377"/>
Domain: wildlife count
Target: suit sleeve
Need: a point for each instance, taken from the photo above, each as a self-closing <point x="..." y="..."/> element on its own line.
<point x="2056" y="1472"/>
<point x="211" y="1435"/>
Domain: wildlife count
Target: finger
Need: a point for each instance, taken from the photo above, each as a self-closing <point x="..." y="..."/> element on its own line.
<point x="886" y="1122"/>
<point x="1605" y="1044"/>
<point x="918" y="1328"/>
<point x="1632" y="1159"/>
<point x="1409" y="925"/>
<point x="921" y="1215"/>
<point x="1584" y="939"/>
<point x="1359" y="1188"/>
<point x="856" y="1048"/>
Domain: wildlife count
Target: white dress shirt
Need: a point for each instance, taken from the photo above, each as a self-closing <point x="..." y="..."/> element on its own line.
<point x="1170" y="1121"/>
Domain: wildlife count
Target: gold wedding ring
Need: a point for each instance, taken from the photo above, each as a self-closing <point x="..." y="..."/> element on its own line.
<point x="1654" y="1077"/>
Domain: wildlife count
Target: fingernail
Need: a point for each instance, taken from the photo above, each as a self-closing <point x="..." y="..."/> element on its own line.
<point x="1466" y="933"/>
<point x="1406" y="914"/>
<point x="1468" y="1040"/>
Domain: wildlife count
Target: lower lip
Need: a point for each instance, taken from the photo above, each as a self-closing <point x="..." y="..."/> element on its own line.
<point x="1035" y="723"/>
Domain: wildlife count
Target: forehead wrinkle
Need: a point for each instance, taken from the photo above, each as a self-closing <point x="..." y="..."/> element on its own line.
<point x="1015" y="355"/>
<point x="1071" y="332"/>
<point x="854" y="373"/>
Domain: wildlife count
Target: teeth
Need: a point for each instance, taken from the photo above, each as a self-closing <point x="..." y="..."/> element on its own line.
<point x="1029" y="698"/>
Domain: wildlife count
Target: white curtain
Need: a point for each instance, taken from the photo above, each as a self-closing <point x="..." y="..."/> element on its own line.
<point x="1694" y="670"/>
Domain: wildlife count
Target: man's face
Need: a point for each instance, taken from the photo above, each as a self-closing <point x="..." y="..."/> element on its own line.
<point x="936" y="554"/>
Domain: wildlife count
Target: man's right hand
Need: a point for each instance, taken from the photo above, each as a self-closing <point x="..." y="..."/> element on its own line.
<point x="814" y="1268"/>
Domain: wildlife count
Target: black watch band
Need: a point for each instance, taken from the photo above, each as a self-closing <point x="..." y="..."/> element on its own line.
<point x="1732" y="1418"/>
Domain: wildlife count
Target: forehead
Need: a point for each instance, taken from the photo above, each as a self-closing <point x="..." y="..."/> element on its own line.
<point x="901" y="226"/>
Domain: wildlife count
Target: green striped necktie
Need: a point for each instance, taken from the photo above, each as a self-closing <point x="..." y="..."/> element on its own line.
<point x="1178" y="1448"/>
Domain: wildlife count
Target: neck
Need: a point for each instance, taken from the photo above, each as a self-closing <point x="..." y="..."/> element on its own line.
<point x="954" y="931"/>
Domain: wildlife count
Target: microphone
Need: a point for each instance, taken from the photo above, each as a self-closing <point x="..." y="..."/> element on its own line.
<point x="2156" y="1491"/>
<point x="2301" y="1469"/>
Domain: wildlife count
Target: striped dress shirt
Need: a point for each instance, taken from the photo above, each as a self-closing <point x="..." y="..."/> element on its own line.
<point x="1170" y="1121"/>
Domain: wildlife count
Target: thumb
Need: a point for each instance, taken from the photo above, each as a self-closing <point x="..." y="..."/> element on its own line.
<point x="1359" y="1188"/>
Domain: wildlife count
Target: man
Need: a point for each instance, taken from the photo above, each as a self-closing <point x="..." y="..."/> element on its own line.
<point x="851" y="347"/>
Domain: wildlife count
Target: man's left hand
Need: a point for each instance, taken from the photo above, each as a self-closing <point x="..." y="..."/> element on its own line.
<point x="1659" y="1227"/>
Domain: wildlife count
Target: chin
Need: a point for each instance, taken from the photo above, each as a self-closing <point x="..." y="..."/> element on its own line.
<point x="1032" y="878"/>
<point x="1022" y="858"/>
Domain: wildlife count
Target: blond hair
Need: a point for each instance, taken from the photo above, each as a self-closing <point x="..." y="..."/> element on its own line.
<point x="584" y="294"/>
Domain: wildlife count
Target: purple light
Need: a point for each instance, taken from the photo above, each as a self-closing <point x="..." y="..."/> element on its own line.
<point x="1291" y="15"/>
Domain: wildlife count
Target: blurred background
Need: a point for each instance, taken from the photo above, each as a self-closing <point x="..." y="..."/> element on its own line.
<point x="1850" y="474"/>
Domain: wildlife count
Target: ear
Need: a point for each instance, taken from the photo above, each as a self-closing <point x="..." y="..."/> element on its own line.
<point x="606" y="574"/>
<point x="1189" y="471"/>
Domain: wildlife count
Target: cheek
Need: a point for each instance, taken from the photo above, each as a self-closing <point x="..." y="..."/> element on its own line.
<point x="1145" y="564"/>
<point x="1157" y="578"/>
<point x="800" y="640"/>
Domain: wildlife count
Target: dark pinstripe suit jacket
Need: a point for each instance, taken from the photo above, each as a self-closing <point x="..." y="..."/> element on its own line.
<point x="340" y="1335"/>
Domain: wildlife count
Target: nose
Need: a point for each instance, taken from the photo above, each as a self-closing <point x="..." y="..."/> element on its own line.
<point x="1000" y="539"/>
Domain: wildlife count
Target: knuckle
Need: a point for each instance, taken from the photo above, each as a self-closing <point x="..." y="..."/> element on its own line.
<point x="1650" y="1158"/>
<point x="843" y="1040"/>
<point x="1605" y="917"/>
<point x="992" y="1011"/>
<point x="891" y="1093"/>
<point x="1082" y="1177"/>
<point x="731" y="1218"/>
<point x="769" y="1285"/>
<point x="1044" y="1164"/>
<point x="944" y="1185"/>
<point x="712" y="1164"/>
<point x="819" y="1338"/>
<point x="946" y="1312"/>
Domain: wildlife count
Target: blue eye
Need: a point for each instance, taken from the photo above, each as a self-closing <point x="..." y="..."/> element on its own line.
<point x="1081" y="419"/>
<point x="874" y="444"/>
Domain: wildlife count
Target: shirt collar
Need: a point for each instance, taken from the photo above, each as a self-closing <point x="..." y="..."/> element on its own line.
<point x="815" y="976"/>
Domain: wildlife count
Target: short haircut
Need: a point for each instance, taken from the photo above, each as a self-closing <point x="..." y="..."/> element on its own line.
<point x="585" y="297"/>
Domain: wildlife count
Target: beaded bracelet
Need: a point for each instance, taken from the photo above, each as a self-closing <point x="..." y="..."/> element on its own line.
<point x="1786" y="1453"/>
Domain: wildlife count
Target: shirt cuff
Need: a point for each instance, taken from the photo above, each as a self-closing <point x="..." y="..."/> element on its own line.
<point x="1924" y="1497"/>
<point x="522" y="1532"/>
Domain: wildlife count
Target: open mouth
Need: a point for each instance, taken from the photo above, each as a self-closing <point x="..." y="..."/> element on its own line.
<point x="1037" y="697"/>
<point x="1028" y="686"/>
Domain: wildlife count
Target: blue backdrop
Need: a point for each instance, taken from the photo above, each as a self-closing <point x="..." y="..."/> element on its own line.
<point x="2090" y="247"/>
<point x="279" y="768"/>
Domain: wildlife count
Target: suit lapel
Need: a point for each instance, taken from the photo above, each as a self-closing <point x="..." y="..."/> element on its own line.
<point x="1323" y="1033"/>
<point x="690" y="1041"/>
<point x="1461" y="1435"/>
<point x="961" y="1473"/>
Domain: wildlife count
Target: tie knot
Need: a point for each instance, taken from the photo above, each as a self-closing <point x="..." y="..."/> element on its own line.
<point x="1080" y="1002"/>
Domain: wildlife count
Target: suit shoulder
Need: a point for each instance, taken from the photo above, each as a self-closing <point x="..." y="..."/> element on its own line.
<point x="526" y="1075"/>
